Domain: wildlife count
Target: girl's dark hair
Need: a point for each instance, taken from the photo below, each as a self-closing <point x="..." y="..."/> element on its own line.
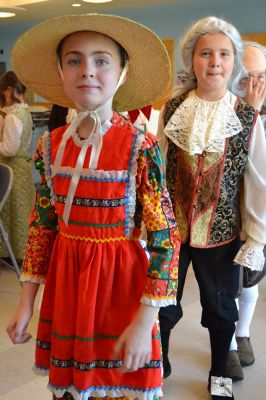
<point x="122" y="51"/>
<point x="10" y="79"/>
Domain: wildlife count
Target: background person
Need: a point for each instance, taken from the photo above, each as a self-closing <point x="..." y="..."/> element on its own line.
<point x="251" y="85"/>
<point x="15" y="138"/>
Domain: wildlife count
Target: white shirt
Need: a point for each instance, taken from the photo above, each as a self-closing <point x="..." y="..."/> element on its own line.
<point x="12" y="131"/>
<point x="12" y="128"/>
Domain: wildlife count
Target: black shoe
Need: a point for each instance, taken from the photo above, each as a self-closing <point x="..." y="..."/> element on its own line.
<point x="167" y="370"/>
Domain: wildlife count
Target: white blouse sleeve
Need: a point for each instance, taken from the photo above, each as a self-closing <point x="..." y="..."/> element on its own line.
<point x="254" y="214"/>
<point x="162" y="139"/>
<point x="12" y="132"/>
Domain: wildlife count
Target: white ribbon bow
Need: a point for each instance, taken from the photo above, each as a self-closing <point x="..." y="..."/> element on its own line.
<point x="95" y="140"/>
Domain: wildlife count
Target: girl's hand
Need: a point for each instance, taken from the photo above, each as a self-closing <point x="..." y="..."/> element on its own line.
<point x="135" y="346"/>
<point x="16" y="328"/>
<point x="135" y="343"/>
<point x="256" y="93"/>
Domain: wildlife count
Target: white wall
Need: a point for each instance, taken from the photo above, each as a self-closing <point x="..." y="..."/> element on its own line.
<point x="170" y="20"/>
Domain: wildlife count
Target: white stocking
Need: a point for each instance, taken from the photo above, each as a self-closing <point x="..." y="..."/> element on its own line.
<point x="247" y="304"/>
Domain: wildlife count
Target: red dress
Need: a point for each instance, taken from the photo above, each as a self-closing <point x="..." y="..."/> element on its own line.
<point x="98" y="272"/>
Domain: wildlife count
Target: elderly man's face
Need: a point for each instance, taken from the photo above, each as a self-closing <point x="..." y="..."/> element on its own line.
<point x="255" y="63"/>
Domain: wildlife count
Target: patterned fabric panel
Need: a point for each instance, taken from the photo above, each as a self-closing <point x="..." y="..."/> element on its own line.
<point x="43" y="228"/>
<point x="227" y="213"/>
<point x="205" y="189"/>
<point x="162" y="234"/>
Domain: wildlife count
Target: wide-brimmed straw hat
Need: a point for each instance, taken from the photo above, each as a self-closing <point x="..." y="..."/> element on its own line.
<point x="35" y="62"/>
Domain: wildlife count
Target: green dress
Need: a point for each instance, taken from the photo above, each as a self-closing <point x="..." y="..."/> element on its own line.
<point x="16" y="211"/>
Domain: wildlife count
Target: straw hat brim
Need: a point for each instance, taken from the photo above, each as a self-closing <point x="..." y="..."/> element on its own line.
<point x="34" y="58"/>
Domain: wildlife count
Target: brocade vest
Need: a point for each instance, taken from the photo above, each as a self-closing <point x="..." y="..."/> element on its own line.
<point x="205" y="189"/>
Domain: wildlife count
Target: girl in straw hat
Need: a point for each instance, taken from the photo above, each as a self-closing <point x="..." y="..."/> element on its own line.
<point x="97" y="333"/>
<point x="215" y="145"/>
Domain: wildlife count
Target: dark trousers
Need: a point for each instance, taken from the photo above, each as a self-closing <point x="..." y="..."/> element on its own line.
<point x="218" y="281"/>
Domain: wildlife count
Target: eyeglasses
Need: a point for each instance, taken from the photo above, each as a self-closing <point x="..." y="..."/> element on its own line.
<point x="255" y="75"/>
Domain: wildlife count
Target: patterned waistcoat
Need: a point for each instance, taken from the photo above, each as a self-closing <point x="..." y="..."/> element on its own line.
<point x="205" y="189"/>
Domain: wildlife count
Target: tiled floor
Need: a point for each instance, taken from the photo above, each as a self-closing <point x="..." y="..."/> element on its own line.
<point x="189" y="352"/>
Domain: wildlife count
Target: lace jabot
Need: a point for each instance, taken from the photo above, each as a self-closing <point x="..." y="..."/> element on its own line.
<point x="198" y="125"/>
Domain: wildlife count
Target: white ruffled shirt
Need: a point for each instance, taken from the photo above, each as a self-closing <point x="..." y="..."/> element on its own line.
<point x="254" y="216"/>
<point x="12" y="128"/>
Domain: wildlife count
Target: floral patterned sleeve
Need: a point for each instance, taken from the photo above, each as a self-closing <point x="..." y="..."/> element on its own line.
<point x="43" y="228"/>
<point x="162" y="233"/>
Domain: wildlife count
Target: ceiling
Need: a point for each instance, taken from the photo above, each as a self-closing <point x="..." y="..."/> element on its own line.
<point x="44" y="9"/>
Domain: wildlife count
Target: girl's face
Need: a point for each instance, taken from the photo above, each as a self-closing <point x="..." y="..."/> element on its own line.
<point x="213" y="63"/>
<point x="8" y="100"/>
<point x="91" y="69"/>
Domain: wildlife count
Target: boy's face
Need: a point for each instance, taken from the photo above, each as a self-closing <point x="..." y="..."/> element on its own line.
<point x="213" y="63"/>
<point x="91" y="69"/>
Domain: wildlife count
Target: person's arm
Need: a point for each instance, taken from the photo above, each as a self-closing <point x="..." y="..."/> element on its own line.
<point x="42" y="233"/>
<point x="17" y="327"/>
<point x="162" y="233"/>
<point x="254" y="218"/>
<point x="12" y="131"/>
<point x="163" y="246"/>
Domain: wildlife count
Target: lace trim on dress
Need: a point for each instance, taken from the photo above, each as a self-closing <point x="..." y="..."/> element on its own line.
<point x="250" y="257"/>
<point x="104" y="391"/>
<point x="92" y="174"/>
<point x="47" y="164"/>
<point x="40" y="371"/>
<point x="198" y="125"/>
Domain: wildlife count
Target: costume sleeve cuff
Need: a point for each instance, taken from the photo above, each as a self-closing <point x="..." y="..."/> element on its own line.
<point x="163" y="302"/>
<point x="251" y="255"/>
<point x="24" y="277"/>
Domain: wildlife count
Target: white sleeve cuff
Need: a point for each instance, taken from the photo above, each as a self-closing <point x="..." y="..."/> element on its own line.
<point x="251" y="255"/>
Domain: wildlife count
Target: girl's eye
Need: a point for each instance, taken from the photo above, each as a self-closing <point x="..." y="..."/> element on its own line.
<point x="102" y="62"/>
<point x="73" y="61"/>
<point x="205" y="53"/>
<point x="225" y="54"/>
